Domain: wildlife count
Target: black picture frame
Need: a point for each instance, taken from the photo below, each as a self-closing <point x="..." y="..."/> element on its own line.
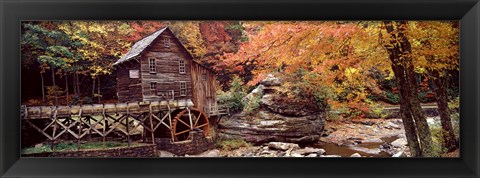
<point x="14" y="11"/>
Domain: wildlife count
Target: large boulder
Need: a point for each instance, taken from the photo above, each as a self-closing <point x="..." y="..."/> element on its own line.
<point x="276" y="117"/>
<point x="282" y="146"/>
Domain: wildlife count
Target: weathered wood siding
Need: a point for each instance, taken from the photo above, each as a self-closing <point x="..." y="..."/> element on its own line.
<point x="200" y="82"/>
<point x="128" y="90"/>
<point x="204" y="94"/>
<point x="167" y="75"/>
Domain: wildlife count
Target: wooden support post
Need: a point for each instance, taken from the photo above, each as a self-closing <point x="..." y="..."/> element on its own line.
<point x="105" y="125"/>
<point x="53" y="136"/>
<point x="151" y="125"/>
<point x="127" y="127"/>
<point x="189" y="118"/>
<point x="79" y="133"/>
<point x="170" y="120"/>
<point x="54" y="128"/>
<point x="90" y="130"/>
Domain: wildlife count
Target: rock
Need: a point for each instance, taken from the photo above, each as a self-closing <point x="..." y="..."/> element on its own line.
<point x="277" y="119"/>
<point x="271" y="81"/>
<point x="282" y="146"/>
<point x="373" y="140"/>
<point x="209" y="153"/>
<point x="256" y="93"/>
<point x="400" y="154"/>
<point x="354" y="140"/>
<point x="312" y="155"/>
<point x="296" y="155"/>
<point x="390" y="125"/>
<point x="162" y="153"/>
<point x="277" y="103"/>
<point x="366" y="150"/>
<point x="399" y="142"/>
<point x="367" y="122"/>
<point x="330" y="156"/>
<point x="355" y="155"/>
<point x="288" y="153"/>
<point x="306" y="139"/>
<point x="266" y="152"/>
<point x="309" y="150"/>
<point x="385" y="146"/>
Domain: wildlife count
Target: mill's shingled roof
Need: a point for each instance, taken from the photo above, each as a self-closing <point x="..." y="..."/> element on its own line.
<point x="139" y="46"/>
<point x="142" y="44"/>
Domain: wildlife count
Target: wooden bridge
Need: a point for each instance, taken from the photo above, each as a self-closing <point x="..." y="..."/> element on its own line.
<point x="172" y="119"/>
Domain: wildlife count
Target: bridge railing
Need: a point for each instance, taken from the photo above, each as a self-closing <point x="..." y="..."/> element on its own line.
<point x="218" y="109"/>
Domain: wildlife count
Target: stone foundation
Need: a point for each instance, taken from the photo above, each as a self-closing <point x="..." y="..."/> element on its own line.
<point x="134" y="151"/>
<point x="198" y="144"/>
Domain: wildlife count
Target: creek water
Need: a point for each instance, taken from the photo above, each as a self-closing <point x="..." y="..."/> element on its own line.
<point x="346" y="151"/>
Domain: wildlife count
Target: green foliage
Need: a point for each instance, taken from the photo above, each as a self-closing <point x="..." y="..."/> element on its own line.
<point x="454" y="106"/>
<point x="72" y="146"/>
<point x="456" y="124"/>
<point x="437" y="132"/>
<point x="321" y="96"/>
<point x="231" y="144"/>
<point x="378" y="110"/>
<point x="437" y="137"/>
<point x="233" y="97"/>
<point x="303" y="85"/>
<point x="239" y="31"/>
<point x="392" y="98"/>
<point x="252" y="103"/>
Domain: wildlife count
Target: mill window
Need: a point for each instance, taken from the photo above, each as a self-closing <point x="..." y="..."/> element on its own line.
<point x="152" y="65"/>
<point x="183" y="88"/>
<point x="166" y="42"/>
<point x="181" y="66"/>
<point x="153" y="87"/>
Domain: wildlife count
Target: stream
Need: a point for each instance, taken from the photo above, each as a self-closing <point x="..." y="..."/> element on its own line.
<point x="368" y="149"/>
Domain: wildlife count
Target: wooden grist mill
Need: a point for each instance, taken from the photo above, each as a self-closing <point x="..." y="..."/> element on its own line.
<point x="162" y="93"/>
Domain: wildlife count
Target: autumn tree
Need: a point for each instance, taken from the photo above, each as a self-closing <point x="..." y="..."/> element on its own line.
<point x="101" y="44"/>
<point x="330" y="54"/>
<point x="221" y="37"/>
<point x="435" y="48"/>
<point x="140" y="29"/>
<point x="188" y="32"/>
<point x="399" y="49"/>
<point x="52" y="51"/>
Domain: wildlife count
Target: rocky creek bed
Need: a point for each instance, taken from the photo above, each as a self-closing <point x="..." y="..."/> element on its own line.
<point x="357" y="138"/>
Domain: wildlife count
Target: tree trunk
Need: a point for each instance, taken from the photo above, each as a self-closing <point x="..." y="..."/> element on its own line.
<point x="406" y="115"/>
<point x="73" y="86"/>
<point x="449" y="140"/>
<point x="98" y="91"/>
<point x="423" y="129"/>
<point x="399" y="51"/>
<point x="66" y="87"/>
<point x="43" y="87"/>
<point x="77" y="85"/>
<point x="93" y="89"/>
<point x="54" y="87"/>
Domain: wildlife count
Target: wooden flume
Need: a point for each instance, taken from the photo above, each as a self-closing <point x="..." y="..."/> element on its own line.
<point x="174" y="118"/>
